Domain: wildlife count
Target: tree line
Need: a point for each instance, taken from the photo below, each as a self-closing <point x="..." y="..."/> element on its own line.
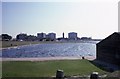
<point x="5" y="37"/>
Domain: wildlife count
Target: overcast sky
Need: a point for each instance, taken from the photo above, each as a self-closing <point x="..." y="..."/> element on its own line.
<point x="95" y="18"/>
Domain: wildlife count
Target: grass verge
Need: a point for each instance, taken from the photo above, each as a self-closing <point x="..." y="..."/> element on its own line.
<point x="48" y="68"/>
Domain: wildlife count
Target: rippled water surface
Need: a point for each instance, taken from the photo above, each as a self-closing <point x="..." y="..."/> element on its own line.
<point x="51" y="50"/>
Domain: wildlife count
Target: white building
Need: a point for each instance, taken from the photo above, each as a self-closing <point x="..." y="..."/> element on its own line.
<point x="51" y="36"/>
<point x="72" y="36"/>
<point x="41" y="36"/>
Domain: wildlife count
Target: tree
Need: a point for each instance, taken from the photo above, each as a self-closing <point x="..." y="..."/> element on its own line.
<point x="21" y="36"/>
<point x="6" y="37"/>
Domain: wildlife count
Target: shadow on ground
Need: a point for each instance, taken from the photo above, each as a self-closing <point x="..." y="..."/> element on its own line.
<point x="113" y="70"/>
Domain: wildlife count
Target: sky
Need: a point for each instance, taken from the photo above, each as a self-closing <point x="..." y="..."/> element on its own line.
<point x="95" y="18"/>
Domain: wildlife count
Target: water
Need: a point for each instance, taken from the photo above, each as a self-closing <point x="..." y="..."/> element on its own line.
<point x="51" y="50"/>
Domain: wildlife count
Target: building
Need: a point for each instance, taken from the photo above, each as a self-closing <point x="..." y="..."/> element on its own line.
<point x="51" y="36"/>
<point x="108" y="50"/>
<point x="86" y="38"/>
<point x="41" y="36"/>
<point x="21" y="37"/>
<point x="72" y="36"/>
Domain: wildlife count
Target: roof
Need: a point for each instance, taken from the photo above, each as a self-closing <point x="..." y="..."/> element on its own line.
<point x="111" y="38"/>
<point x="117" y="33"/>
<point x="72" y="32"/>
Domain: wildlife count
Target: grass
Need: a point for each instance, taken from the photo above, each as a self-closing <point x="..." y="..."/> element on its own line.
<point x="48" y="68"/>
<point x="5" y="44"/>
<point x="0" y="69"/>
<point x="17" y="43"/>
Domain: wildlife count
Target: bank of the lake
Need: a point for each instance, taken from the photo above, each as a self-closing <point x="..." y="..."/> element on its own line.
<point x="6" y="44"/>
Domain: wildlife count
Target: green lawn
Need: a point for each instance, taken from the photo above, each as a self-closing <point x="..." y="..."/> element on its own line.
<point x="0" y="69"/>
<point x="48" y="68"/>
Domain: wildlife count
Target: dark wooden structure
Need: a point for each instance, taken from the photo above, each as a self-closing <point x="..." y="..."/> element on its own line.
<point x="108" y="50"/>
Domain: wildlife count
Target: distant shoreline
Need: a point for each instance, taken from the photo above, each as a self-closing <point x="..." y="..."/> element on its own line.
<point x="15" y="44"/>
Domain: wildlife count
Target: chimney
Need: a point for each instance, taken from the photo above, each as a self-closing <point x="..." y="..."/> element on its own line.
<point x="63" y="34"/>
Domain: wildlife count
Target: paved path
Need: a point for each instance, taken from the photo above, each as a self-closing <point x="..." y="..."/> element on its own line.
<point x="46" y="58"/>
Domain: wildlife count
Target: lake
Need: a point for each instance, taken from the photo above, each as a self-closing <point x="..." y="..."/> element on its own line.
<point x="51" y="50"/>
